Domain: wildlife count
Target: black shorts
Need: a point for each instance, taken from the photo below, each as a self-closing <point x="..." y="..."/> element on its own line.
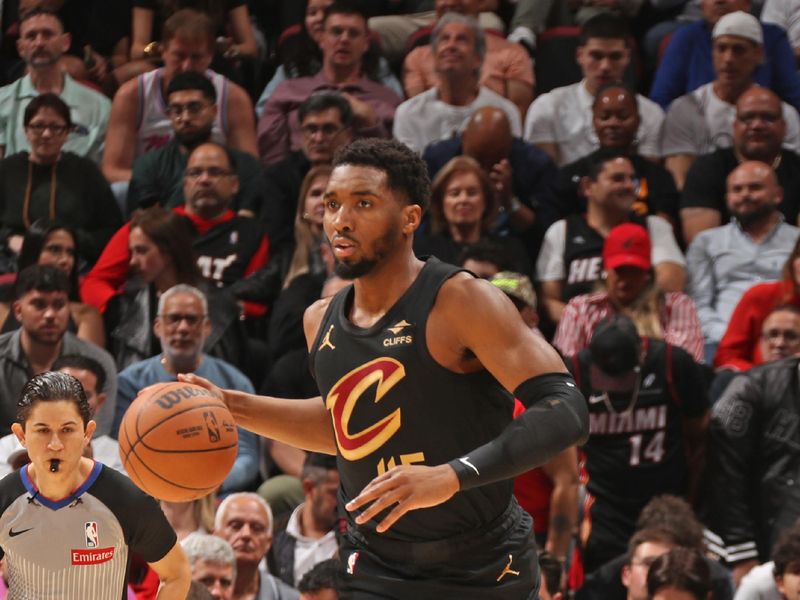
<point x="497" y="561"/>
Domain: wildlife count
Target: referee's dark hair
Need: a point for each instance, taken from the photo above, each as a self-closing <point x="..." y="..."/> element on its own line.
<point x="191" y="81"/>
<point x="406" y="173"/>
<point x="52" y="386"/>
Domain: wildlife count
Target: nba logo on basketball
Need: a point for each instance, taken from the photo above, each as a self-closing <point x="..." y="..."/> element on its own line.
<point x="92" y="541"/>
<point x="212" y="427"/>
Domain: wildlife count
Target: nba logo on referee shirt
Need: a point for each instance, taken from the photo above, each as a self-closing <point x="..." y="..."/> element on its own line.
<point x="92" y="540"/>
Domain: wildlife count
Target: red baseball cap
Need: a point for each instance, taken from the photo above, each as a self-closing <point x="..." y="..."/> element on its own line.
<point x="627" y="245"/>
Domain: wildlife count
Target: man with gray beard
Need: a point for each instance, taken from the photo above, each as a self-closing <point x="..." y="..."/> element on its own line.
<point x="182" y="325"/>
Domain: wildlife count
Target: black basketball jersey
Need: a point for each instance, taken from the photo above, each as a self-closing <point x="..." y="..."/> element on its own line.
<point x="77" y="547"/>
<point x="583" y="255"/>
<point x="391" y="403"/>
<point x="225" y="250"/>
<point x="638" y="447"/>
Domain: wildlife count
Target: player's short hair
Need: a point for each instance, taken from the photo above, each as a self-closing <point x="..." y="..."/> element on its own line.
<point x="189" y="24"/>
<point x="649" y="535"/>
<point x="681" y="568"/>
<point x="223" y="507"/>
<point x="37" y="11"/>
<point x="606" y="26"/>
<point x="52" y="386"/>
<point x="471" y="22"/>
<point x="47" y="100"/>
<point x="552" y="570"/>
<point x="786" y="553"/>
<point x="345" y="7"/>
<point x="317" y="466"/>
<point x="191" y="81"/>
<point x="85" y="363"/>
<point x="406" y="173"/>
<point x="598" y="160"/>
<point x="182" y="288"/>
<point x="209" y="548"/>
<point x="325" y="575"/>
<point x="41" y="278"/>
<point x="323" y="100"/>
<point x="675" y="515"/>
<point x="487" y="250"/>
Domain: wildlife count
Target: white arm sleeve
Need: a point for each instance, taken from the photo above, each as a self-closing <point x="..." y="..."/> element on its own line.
<point x="665" y="247"/>
<point x="550" y="264"/>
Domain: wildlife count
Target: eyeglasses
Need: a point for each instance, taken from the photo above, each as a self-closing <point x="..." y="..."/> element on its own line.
<point x="327" y="130"/>
<point x="789" y="335"/>
<point x="173" y="319"/>
<point x="55" y="128"/>
<point x="212" y="172"/>
<point x="193" y="108"/>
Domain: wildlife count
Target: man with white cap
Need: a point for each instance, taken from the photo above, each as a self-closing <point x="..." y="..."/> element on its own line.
<point x="702" y="120"/>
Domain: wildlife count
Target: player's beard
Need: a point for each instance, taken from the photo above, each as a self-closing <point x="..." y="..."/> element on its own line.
<point x="362" y="267"/>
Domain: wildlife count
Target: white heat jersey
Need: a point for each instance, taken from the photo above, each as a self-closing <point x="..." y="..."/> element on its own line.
<point x="152" y="123"/>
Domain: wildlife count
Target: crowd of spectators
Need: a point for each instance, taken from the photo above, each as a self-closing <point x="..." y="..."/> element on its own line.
<point x="626" y="171"/>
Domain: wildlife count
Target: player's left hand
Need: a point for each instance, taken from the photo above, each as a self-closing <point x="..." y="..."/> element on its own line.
<point x="408" y="487"/>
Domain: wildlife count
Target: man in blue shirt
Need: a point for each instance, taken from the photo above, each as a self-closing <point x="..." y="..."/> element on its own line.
<point x="687" y="63"/>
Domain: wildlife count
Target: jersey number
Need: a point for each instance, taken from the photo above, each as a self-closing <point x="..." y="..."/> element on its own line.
<point x="214" y="268"/>
<point x="405" y="459"/>
<point x="654" y="451"/>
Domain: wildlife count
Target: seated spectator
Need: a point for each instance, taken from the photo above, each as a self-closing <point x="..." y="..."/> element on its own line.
<point x="669" y="521"/>
<point x="630" y="288"/>
<point x="552" y="572"/>
<point x="758" y="133"/>
<point x="342" y="69"/>
<point x="213" y="563"/>
<point x="519" y="289"/>
<point x="687" y="63"/>
<point x="751" y="487"/>
<point x="322" y="582"/>
<point x="192" y="516"/>
<point x="326" y="121"/>
<point x="648" y="443"/>
<point x="616" y="121"/>
<point x="724" y="262"/>
<point x="462" y="210"/>
<point x="42" y="42"/>
<point x="459" y="47"/>
<point x="158" y="176"/>
<point x="159" y="258"/>
<point x="231" y="17"/>
<point x="139" y="121"/>
<point x="560" y="121"/>
<point x="300" y="55"/>
<point x="523" y="176"/>
<point x="46" y="181"/>
<point x="778" y="578"/>
<point x="41" y="306"/>
<point x="486" y="259"/>
<point x="244" y="520"/>
<point x="786" y="15"/>
<point x="182" y="326"/>
<point x="506" y="70"/>
<point x="740" y="347"/>
<point x="51" y="243"/>
<point x="309" y="536"/>
<point x="701" y="121"/>
<point x="103" y="448"/>
<point x="679" y="573"/>
<point x="570" y="261"/>
<point x="780" y="334"/>
<point x="228" y="246"/>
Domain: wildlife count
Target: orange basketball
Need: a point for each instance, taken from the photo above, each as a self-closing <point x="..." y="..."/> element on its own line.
<point x="177" y="441"/>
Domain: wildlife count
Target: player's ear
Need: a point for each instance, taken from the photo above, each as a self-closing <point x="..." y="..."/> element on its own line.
<point x="626" y="575"/>
<point x="90" y="427"/>
<point x="157" y="327"/>
<point x="412" y="217"/>
<point x="18" y="431"/>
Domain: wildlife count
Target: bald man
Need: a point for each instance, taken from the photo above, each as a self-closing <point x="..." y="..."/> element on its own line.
<point x="758" y="132"/>
<point x="724" y="262"/>
<point x="523" y="175"/>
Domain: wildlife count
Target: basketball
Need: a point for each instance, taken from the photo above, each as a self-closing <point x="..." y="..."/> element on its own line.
<point x="177" y="441"/>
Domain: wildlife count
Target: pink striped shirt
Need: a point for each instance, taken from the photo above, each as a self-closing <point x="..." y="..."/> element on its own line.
<point x="582" y="314"/>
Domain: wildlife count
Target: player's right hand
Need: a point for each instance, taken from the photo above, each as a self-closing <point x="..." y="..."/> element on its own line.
<point x="202" y="382"/>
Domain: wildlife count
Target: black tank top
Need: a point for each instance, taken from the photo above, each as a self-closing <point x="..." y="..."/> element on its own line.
<point x="583" y="255"/>
<point x="391" y="403"/>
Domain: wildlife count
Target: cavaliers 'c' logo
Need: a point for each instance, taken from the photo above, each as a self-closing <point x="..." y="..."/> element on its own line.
<point x="344" y="396"/>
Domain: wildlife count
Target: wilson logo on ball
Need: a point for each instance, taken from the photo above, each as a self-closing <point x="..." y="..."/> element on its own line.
<point x="173" y="397"/>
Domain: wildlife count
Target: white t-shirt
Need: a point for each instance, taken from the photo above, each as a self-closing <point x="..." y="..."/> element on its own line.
<point x="785" y="13"/>
<point x="550" y="264"/>
<point x="700" y="122"/>
<point x="424" y="118"/>
<point x="563" y="116"/>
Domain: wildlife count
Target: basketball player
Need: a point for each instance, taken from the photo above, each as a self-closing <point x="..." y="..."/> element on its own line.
<point x="67" y="523"/>
<point x="416" y="361"/>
